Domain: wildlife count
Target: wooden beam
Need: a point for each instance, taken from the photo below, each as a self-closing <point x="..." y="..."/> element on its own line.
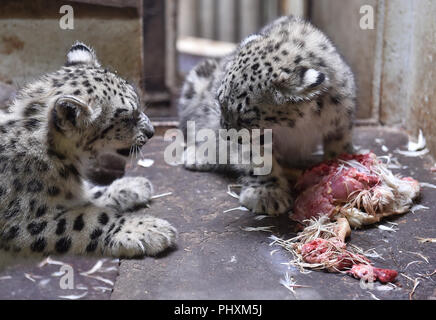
<point x="112" y="3"/>
<point x="154" y="46"/>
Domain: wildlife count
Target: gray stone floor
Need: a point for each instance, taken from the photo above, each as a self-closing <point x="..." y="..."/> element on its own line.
<point x="216" y="259"/>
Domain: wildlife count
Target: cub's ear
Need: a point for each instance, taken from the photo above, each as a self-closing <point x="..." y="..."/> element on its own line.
<point x="70" y="112"/>
<point x="81" y="54"/>
<point x="311" y="78"/>
<point x="300" y="82"/>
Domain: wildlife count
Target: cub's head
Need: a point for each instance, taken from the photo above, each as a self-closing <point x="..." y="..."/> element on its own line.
<point x="271" y="73"/>
<point x="93" y="109"/>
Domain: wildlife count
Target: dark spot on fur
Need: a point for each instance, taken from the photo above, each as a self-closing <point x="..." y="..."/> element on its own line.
<point x="13" y="209"/>
<point x="41" y="211"/>
<point x="103" y="218"/>
<point x="41" y="166"/>
<point x="205" y="69"/>
<point x="190" y="92"/>
<point x="64" y="172"/>
<point x="97" y="195"/>
<point x="35" y="228"/>
<point x="34" y="186"/>
<point x="92" y="246"/>
<point x="298" y="59"/>
<point x="78" y="223"/>
<point x="18" y="186"/>
<point x="287" y="70"/>
<point x="31" y="109"/>
<point x="96" y="234"/>
<point x="53" y="191"/>
<point x="11" y="233"/>
<point x="63" y="245"/>
<point x="335" y="99"/>
<point x="32" y="124"/>
<point x="38" y="245"/>
<point x="61" y="226"/>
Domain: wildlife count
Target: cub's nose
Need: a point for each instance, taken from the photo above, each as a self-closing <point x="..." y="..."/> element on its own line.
<point x="148" y="127"/>
<point x="149" y="132"/>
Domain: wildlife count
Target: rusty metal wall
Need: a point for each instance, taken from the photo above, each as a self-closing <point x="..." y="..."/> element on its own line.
<point x="409" y="73"/>
<point x="394" y="63"/>
<point x="340" y="20"/>
<point x="232" y="20"/>
<point x="32" y="42"/>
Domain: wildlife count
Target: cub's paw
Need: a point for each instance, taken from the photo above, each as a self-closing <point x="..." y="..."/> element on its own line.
<point x="271" y="200"/>
<point x="141" y="235"/>
<point x="129" y="193"/>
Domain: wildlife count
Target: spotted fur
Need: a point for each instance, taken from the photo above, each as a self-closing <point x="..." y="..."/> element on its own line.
<point x="289" y="77"/>
<point x="54" y="126"/>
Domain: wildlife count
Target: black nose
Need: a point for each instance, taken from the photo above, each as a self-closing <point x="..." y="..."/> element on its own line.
<point x="148" y="127"/>
<point x="149" y="132"/>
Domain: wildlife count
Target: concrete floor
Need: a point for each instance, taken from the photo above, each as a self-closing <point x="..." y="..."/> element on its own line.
<point x="216" y="259"/>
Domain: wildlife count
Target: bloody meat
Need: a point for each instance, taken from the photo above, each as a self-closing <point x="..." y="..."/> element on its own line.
<point x="353" y="190"/>
<point x="358" y="187"/>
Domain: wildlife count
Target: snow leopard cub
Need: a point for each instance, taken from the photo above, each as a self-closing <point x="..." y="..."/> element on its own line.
<point x="54" y="125"/>
<point x="288" y="77"/>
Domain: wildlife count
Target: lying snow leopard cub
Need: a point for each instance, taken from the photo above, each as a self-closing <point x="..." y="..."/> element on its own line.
<point x="288" y="77"/>
<point x="54" y="125"/>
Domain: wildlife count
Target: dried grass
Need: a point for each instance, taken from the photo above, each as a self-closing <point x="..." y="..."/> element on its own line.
<point x="318" y="228"/>
<point x="424" y="240"/>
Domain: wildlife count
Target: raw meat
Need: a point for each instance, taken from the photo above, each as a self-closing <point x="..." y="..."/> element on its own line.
<point x="371" y="274"/>
<point x="357" y="187"/>
<point x="326" y="249"/>
<point x="353" y="190"/>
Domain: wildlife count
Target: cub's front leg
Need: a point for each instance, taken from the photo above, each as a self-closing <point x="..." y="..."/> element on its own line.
<point x="91" y="229"/>
<point x="268" y="194"/>
<point x="124" y="194"/>
<point x="337" y="135"/>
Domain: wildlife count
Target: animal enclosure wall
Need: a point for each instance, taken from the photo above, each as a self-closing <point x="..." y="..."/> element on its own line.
<point x="32" y="42"/>
<point x="393" y="63"/>
<point x="232" y="20"/>
<point x="135" y="38"/>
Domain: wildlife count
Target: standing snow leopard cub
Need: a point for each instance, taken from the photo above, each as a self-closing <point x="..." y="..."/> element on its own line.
<point x="288" y="77"/>
<point x="47" y="135"/>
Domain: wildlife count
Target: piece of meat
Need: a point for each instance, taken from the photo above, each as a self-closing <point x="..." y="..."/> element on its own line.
<point x="371" y="274"/>
<point x="331" y="253"/>
<point x="358" y="187"/>
<point x="313" y="202"/>
<point x="354" y="190"/>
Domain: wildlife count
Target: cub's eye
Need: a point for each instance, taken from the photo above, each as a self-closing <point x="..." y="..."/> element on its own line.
<point x="130" y="120"/>
<point x="136" y="114"/>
